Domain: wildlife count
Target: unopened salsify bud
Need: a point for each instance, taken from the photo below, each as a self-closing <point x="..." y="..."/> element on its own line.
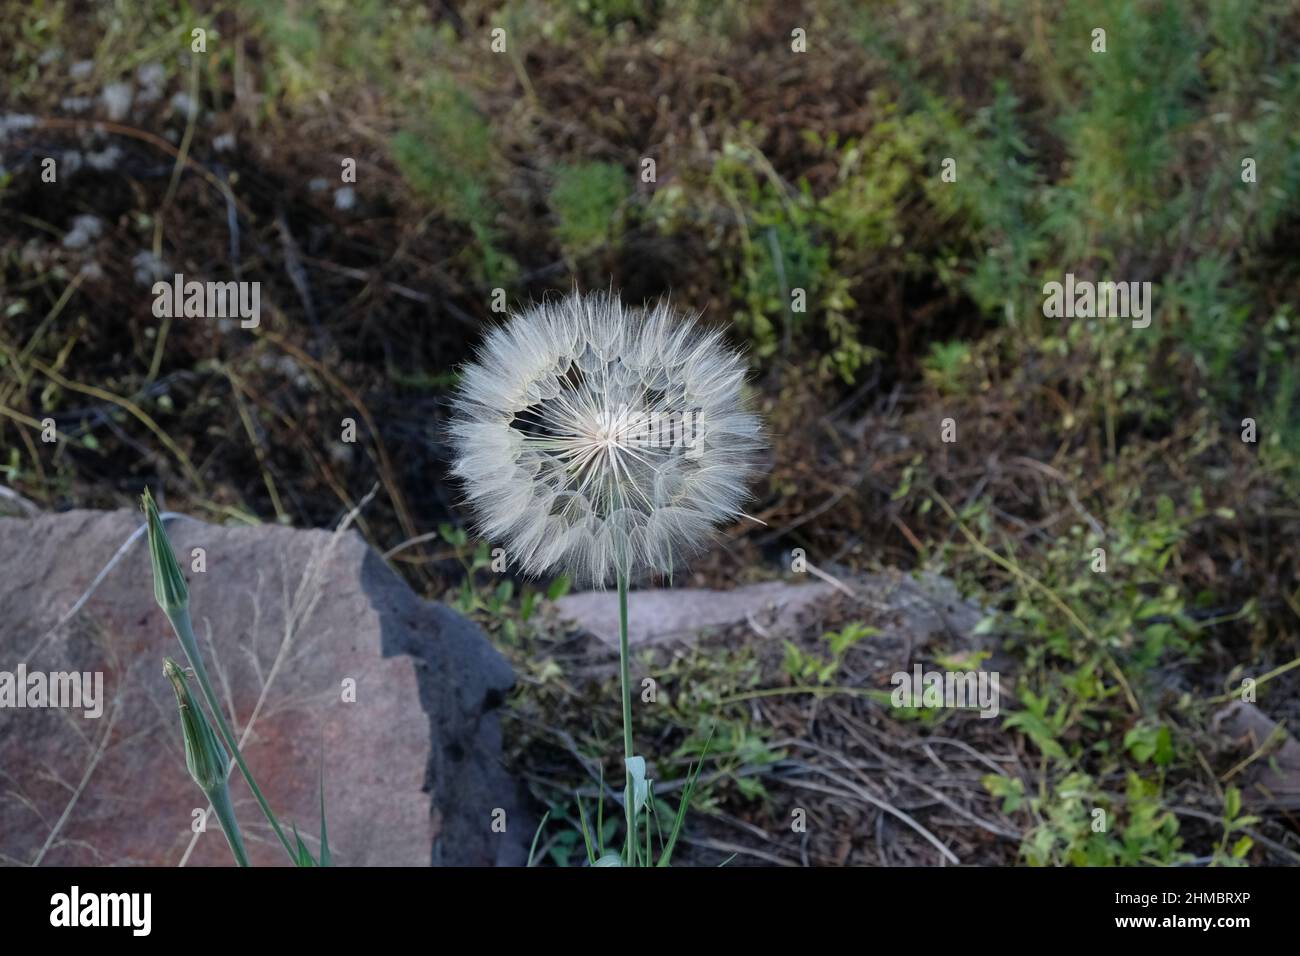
<point x="169" y="587"/>
<point x="205" y="757"/>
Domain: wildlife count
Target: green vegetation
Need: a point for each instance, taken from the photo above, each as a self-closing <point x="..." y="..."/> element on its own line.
<point x="587" y="199"/>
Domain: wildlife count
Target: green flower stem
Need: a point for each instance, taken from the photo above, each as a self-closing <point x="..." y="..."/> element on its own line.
<point x="624" y="674"/>
<point x="225" y="813"/>
<point x="180" y="621"/>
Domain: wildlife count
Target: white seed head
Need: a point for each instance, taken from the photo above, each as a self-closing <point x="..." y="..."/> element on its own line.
<point x="592" y="438"/>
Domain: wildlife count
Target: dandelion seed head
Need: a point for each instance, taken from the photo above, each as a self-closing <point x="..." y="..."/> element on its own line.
<point x="593" y="438"/>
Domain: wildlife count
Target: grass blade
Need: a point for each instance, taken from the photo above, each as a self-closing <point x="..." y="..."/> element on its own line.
<point x="532" y="850"/>
<point x="600" y="815"/>
<point x="326" y="858"/>
<point x="304" y="857"/>
<point x="649" y="799"/>
<point x="586" y="832"/>
<point x="692" y="778"/>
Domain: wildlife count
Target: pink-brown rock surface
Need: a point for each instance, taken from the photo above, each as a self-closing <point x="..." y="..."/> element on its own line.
<point x="284" y="617"/>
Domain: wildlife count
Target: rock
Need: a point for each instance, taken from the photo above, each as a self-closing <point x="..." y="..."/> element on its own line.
<point x="662" y="614"/>
<point x="15" y="505"/>
<point x="152" y="78"/>
<point x="1272" y="782"/>
<point x="85" y="230"/>
<point x="284" y="617"/>
<point x="117" y="98"/>
<point x="924" y="606"/>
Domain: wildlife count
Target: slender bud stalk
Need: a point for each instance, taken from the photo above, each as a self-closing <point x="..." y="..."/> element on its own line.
<point x="173" y="596"/>
<point x="629" y="798"/>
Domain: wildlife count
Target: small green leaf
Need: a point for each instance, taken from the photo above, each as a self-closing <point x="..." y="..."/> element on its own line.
<point x="455" y="537"/>
<point x="1164" y="747"/>
<point x="1231" y="803"/>
<point x="640" y="786"/>
<point x="1038" y="730"/>
<point x="1010" y="789"/>
<point x="326" y="859"/>
<point x="304" y="855"/>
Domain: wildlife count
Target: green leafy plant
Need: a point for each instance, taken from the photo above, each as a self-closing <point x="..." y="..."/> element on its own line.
<point x="448" y="156"/>
<point x="500" y="606"/>
<point x="1234" y="821"/>
<point x="810" y="667"/>
<point x="587" y="200"/>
